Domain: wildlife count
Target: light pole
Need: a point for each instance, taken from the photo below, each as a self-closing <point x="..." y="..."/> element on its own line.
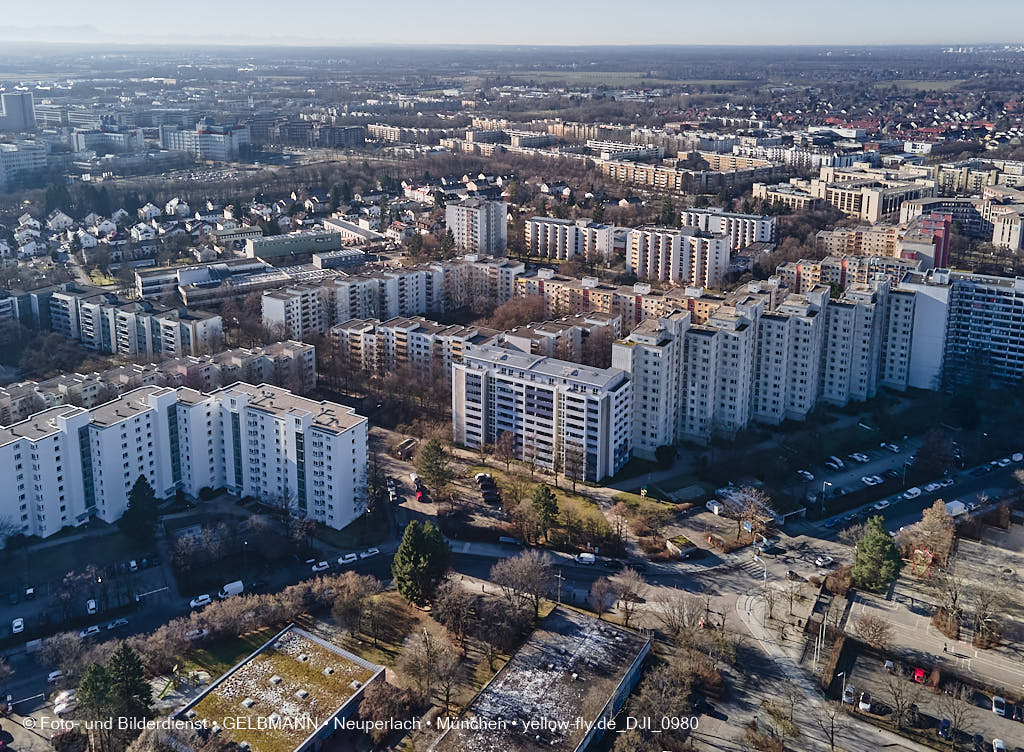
<point x="843" y="674"/>
<point x="559" y="578"/>
<point x="824" y="484"/>
<point x="764" y="564"/>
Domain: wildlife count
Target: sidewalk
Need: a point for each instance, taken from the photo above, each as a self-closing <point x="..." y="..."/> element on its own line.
<point x="857" y="736"/>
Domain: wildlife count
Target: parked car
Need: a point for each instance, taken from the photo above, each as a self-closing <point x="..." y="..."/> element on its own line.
<point x="824" y="561"/>
<point x="998" y="745"/>
<point x="932" y="487"/>
<point x="117" y="624"/>
<point x="344" y="561"/>
<point x="65" y="706"/>
<point x="200" y="600"/>
<point x="482" y="477"/>
<point x="714" y="507"/>
<point x="945" y="730"/>
<point x="90" y="606"/>
<point x="871" y="480"/>
<point x="912" y="493"/>
<point x="368" y="553"/>
<point x="919" y="676"/>
<point x="829" y="524"/>
<point x="865" y="702"/>
<point x="849" y="694"/>
<point x="89" y="632"/>
<point x="321" y="566"/>
<point x="894" y="448"/>
<point x="197" y="634"/>
<point x="30" y="594"/>
<point x="55" y="676"/>
<point x="999" y="706"/>
<point x="883" y="504"/>
<point x="860" y="457"/>
<point x="18" y="626"/>
<point x="1017" y="457"/>
<point x="805" y="474"/>
<point x="832" y="465"/>
<point x="946" y="482"/>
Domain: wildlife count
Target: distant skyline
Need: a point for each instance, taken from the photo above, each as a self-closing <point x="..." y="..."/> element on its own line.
<point x="528" y="22"/>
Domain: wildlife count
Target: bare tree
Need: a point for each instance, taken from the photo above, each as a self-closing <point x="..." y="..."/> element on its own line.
<point x="575" y="464"/>
<point x="525" y="579"/>
<point x="989" y="603"/>
<point x="632" y="589"/>
<point x="831" y="719"/>
<point x="874" y="630"/>
<point x="421" y="659"/>
<point x="603" y="594"/>
<point x="505" y="448"/>
<point x="680" y="615"/>
<point x="753" y="508"/>
<point x="950" y="589"/>
<point x="902" y="694"/>
<point x="850" y="535"/>
<point x="955" y="705"/>
<point x="454" y="607"/>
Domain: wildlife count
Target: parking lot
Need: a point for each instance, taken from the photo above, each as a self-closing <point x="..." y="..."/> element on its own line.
<point x="871" y="460"/>
<point x="868" y="674"/>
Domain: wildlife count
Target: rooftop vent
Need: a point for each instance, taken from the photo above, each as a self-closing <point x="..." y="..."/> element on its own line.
<point x="248" y="702"/>
<point x="274" y="718"/>
<point x="355" y="684"/>
<point x="302" y="694"/>
<point x="275" y="679"/>
<point x="328" y="671"/>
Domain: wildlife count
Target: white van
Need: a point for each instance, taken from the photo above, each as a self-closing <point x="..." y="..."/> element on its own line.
<point x="715" y="507"/>
<point x="585" y="558"/>
<point x="232" y="588"/>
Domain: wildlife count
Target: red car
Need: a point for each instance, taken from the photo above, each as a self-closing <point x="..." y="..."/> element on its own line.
<point x="919" y="675"/>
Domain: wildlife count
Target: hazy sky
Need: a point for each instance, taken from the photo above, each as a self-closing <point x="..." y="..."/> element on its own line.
<point x="524" y="21"/>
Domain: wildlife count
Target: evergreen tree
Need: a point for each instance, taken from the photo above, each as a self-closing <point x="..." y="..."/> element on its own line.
<point x="129" y="692"/>
<point x="434" y="466"/>
<point x="93" y="692"/>
<point x="545" y="507"/>
<point x="599" y="210"/>
<point x="876" y="561"/>
<point x="668" y="217"/>
<point x="448" y="243"/>
<point x="421" y="561"/>
<point x="140" y="518"/>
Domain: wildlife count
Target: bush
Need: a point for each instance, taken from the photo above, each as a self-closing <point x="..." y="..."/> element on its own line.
<point x="838" y="582"/>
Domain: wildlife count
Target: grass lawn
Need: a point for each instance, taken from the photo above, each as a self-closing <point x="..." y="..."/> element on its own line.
<point x="99" y="278"/>
<point x="24" y="568"/>
<point x="563" y="494"/>
<point x="363" y="532"/>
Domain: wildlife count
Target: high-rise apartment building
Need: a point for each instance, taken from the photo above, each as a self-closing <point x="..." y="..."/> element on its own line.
<point x="652" y="356"/>
<point x="478" y="225"/>
<point x="686" y="256"/>
<point x="66" y="465"/>
<point x="741" y="229"/>
<point x="558" y="412"/>
<point x="17" y="111"/>
<point x="565" y="239"/>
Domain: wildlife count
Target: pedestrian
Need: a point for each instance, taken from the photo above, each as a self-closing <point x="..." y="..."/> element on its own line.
<point x="944" y="648"/>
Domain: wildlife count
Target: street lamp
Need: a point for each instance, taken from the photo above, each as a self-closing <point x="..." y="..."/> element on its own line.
<point x="824" y="483"/>
<point x="764" y="564"/>
<point x="843" y="674"/>
<point x="560" y="578"/>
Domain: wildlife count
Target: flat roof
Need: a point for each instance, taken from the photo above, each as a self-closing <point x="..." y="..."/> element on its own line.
<point x="292" y="676"/>
<point x="605" y="378"/>
<point x="38" y="426"/>
<point x="327" y="416"/>
<point x="569" y="669"/>
<point x="126" y="406"/>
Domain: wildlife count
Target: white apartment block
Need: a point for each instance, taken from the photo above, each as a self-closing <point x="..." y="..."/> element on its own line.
<point x="718" y="368"/>
<point x="297" y="312"/>
<point x="855" y="328"/>
<point x="685" y="256"/>
<point x="102" y="322"/>
<point x="966" y="327"/>
<point x="788" y="358"/>
<point x="553" y="408"/>
<point x="405" y="342"/>
<point x="652" y="356"/>
<point x="478" y="225"/>
<point x="898" y="341"/>
<point x="741" y="229"/>
<point x="69" y="464"/>
<point x="566" y="239"/>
